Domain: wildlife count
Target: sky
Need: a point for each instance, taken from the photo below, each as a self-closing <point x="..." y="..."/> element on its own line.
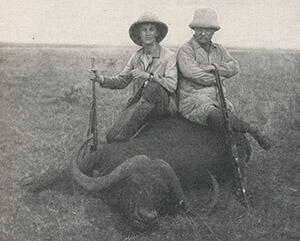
<point x="244" y="23"/>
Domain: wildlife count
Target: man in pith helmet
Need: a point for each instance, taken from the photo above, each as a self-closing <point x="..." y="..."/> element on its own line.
<point x="198" y="99"/>
<point x="152" y="73"/>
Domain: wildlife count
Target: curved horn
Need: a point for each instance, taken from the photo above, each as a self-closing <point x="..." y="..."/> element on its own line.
<point x="100" y="183"/>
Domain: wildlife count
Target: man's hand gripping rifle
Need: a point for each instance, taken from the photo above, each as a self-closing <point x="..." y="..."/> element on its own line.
<point x="238" y="186"/>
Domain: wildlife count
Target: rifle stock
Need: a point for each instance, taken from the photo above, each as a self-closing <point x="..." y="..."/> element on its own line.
<point x="238" y="186"/>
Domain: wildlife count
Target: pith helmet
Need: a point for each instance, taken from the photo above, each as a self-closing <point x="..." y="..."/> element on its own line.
<point x="147" y="17"/>
<point x="205" y="18"/>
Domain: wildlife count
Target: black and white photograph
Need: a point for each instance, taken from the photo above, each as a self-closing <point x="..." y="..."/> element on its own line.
<point x="149" y="120"/>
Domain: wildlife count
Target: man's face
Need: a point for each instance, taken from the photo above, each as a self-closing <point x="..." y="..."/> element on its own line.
<point x="148" y="33"/>
<point x="204" y="35"/>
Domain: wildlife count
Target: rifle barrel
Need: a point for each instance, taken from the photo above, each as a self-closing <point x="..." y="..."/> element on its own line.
<point x="237" y="175"/>
<point x="93" y="111"/>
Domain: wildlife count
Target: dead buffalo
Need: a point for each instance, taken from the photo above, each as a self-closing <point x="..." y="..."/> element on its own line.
<point x="135" y="176"/>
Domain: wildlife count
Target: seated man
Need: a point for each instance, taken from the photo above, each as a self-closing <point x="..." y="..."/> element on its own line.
<point x="198" y="99"/>
<point x="152" y="72"/>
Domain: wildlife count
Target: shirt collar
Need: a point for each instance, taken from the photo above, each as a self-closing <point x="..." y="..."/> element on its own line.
<point x="197" y="45"/>
<point x="156" y="54"/>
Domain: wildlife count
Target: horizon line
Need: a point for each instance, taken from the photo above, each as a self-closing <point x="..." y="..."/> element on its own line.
<point x="87" y="45"/>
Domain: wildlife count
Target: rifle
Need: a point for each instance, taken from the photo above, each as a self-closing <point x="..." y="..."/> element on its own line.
<point x="238" y="186"/>
<point x="93" y="114"/>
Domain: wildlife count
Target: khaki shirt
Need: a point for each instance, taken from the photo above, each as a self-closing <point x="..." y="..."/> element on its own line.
<point x="162" y="63"/>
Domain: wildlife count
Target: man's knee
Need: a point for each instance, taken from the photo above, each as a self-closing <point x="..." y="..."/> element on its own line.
<point x="215" y="119"/>
<point x="152" y="92"/>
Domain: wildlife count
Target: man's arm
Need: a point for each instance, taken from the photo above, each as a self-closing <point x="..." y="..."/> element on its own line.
<point x="119" y="81"/>
<point x="191" y="69"/>
<point x="228" y="66"/>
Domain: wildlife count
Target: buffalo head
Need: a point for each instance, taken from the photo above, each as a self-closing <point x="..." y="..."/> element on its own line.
<point x="141" y="188"/>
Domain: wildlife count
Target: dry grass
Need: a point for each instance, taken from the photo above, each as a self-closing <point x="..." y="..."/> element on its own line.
<point x="44" y="112"/>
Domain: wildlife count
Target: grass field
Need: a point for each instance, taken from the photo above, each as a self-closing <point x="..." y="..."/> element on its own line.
<point x="45" y="100"/>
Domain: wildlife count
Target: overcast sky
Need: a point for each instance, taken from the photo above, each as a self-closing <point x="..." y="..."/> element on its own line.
<point x="244" y="23"/>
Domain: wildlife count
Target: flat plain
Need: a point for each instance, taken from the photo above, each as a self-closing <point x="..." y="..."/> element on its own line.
<point x="45" y="101"/>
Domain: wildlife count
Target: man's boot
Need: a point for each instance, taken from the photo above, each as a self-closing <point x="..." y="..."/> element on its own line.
<point x="215" y="120"/>
<point x="131" y="119"/>
<point x="244" y="127"/>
